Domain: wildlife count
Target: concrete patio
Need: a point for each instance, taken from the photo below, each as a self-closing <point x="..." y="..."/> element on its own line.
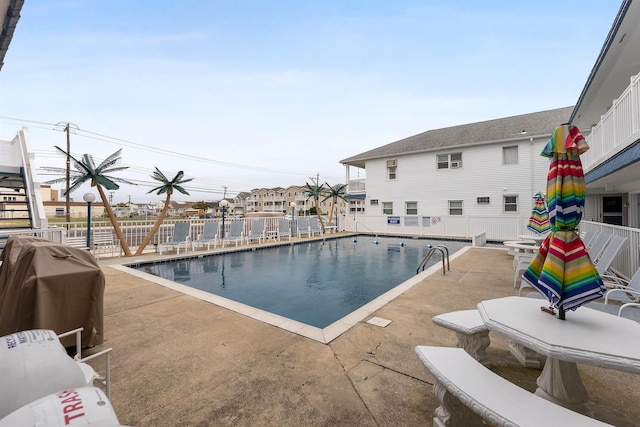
<point x="180" y="361"/>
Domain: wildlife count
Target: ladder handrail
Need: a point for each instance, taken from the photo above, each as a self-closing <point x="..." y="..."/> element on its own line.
<point x="374" y="233"/>
<point x="443" y="251"/>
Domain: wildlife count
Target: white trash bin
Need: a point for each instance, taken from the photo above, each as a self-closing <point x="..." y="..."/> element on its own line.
<point x="85" y="406"/>
<point x="34" y="364"/>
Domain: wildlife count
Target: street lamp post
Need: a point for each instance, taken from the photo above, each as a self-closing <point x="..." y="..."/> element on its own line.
<point x="293" y="215"/>
<point x="223" y="205"/>
<point x="89" y="198"/>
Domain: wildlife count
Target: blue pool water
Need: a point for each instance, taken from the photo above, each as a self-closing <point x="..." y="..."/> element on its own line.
<point x="316" y="282"/>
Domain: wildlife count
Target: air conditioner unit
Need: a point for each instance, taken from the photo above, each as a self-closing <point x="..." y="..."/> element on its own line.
<point x="392" y="163"/>
<point x="456" y="164"/>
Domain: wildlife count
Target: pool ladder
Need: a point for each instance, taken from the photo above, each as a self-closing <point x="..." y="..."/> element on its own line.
<point x="443" y="251"/>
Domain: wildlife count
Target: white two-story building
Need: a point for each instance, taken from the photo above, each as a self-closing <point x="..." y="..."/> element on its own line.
<point x="481" y="177"/>
<point x="460" y="180"/>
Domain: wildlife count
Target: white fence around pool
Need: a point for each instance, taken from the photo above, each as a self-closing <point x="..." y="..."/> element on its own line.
<point x="446" y="226"/>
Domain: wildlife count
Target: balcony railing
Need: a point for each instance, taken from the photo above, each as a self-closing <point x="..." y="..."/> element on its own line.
<point x="356" y="186"/>
<point x="617" y="128"/>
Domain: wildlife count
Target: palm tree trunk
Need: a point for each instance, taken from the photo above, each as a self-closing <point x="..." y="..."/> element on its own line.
<point x="318" y="213"/>
<point x="156" y="226"/>
<point x="114" y="222"/>
<point x="333" y="205"/>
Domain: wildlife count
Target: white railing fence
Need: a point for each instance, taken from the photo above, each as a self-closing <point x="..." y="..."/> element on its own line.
<point x="135" y="231"/>
<point x="617" y="128"/>
<point x="53" y="234"/>
<point x="463" y="227"/>
<point x="445" y="226"/>
<point x="496" y="229"/>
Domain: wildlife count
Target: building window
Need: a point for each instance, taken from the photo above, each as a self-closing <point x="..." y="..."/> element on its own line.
<point x="510" y="203"/>
<point x="392" y="166"/>
<point x="452" y="160"/>
<point x="510" y="155"/>
<point x="356" y="206"/>
<point x="411" y="208"/>
<point x="483" y="200"/>
<point x="387" y="208"/>
<point x="374" y="201"/>
<point x="455" y="207"/>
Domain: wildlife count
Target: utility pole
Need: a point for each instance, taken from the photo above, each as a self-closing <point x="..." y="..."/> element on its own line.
<point x="224" y="193"/>
<point x="68" y="198"/>
<point x="67" y="130"/>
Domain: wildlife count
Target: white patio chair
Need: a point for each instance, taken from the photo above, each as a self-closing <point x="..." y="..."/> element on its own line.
<point x="257" y="231"/>
<point x="284" y="228"/>
<point x="181" y="231"/>
<point x="314" y="227"/>
<point x="302" y="225"/>
<point x="235" y="234"/>
<point x="209" y="235"/>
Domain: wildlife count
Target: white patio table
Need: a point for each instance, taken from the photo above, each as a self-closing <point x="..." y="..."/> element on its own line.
<point x="536" y="238"/>
<point x="586" y="336"/>
<point x="523" y="246"/>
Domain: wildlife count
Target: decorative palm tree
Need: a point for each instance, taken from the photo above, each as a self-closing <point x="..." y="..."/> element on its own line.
<point x="86" y="170"/>
<point x="315" y="191"/>
<point x="167" y="187"/>
<point x="335" y="192"/>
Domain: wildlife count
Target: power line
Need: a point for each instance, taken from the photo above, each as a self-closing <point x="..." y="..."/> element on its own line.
<point x="113" y="140"/>
<point x="206" y="185"/>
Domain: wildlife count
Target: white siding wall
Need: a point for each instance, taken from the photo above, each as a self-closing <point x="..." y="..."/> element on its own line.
<point x="482" y="175"/>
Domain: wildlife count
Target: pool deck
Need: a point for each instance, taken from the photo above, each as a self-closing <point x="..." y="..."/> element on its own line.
<point x="180" y="361"/>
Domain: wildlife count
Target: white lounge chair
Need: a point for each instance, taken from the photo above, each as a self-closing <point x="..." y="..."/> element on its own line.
<point x="209" y="235"/>
<point x="621" y="290"/>
<point x="589" y="237"/>
<point x="235" y="234"/>
<point x="630" y="310"/>
<point x="181" y="231"/>
<point x="284" y="228"/>
<point x="257" y="231"/>
<point x="314" y="227"/>
<point x="302" y="225"/>
<point x="613" y="248"/>
<point x="597" y="245"/>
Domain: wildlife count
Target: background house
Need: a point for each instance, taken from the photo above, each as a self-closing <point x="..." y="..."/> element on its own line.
<point x="456" y="181"/>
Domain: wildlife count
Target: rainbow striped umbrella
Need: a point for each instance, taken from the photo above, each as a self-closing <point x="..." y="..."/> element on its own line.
<point x="539" y="220"/>
<point x="562" y="269"/>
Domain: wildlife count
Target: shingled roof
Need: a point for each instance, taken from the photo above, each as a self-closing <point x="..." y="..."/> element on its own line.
<point x="507" y="128"/>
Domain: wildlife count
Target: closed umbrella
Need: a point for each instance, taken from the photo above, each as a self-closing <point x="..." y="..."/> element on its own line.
<point x="562" y="269"/>
<point x="539" y="220"/>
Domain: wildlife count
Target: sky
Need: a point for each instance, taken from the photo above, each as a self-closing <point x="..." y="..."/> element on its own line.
<point x="243" y="94"/>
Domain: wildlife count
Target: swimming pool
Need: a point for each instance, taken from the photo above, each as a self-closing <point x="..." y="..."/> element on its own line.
<point x="314" y="283"/>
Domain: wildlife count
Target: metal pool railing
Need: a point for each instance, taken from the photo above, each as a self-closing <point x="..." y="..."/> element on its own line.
<point x="444" y="252"/>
